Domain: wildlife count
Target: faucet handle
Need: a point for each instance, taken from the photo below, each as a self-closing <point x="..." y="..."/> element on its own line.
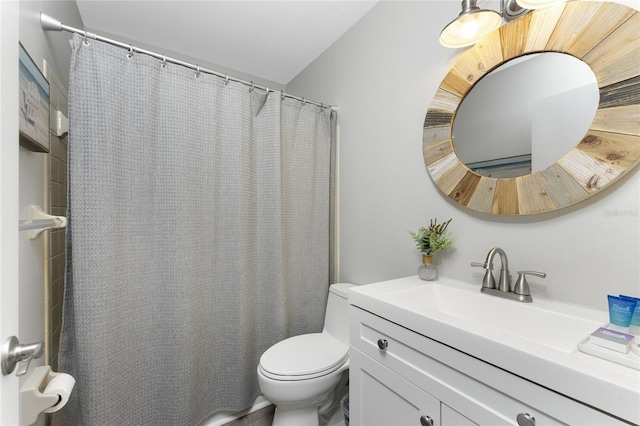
<point x="488" y="281"/>
<point x="522" y="286"/>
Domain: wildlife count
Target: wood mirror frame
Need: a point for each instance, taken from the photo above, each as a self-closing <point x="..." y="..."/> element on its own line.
<point x="604" y="35"/>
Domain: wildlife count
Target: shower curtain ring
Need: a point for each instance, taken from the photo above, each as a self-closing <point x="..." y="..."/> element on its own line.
<point x="164" y="61"/>
<point x="130" y="54"/>
<point x="226" y="79"/>
<point x="253" y="86"/>
<point x="197" y="71"/>
<point x="282" y="95"/>
<point x="267" y="91"/>
<point x="304" y="101"/>
<point x="85" y="42"/>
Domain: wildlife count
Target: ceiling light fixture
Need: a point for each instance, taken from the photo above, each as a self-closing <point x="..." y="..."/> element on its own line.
<point x="470" y="26"/>
<point x="536" y="4"/>
<point x="474" y="23"/>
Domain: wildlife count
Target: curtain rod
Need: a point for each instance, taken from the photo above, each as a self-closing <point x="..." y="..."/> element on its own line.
<point x="49" y="23"/>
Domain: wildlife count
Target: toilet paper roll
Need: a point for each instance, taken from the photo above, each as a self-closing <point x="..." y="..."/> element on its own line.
<point x="61" y="385"/>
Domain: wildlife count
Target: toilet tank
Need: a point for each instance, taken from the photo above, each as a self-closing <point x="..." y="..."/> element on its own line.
<point x="336" y="317"/>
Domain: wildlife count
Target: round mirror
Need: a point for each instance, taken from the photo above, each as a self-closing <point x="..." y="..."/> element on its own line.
<point x="525" y="115"/>
<point x="606" y="37"/>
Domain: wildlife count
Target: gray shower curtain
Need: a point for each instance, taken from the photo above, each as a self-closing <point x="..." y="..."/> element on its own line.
<point x="199" y="235"/>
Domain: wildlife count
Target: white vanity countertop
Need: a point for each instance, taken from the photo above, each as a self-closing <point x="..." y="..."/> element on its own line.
<point x="535" y="354"/>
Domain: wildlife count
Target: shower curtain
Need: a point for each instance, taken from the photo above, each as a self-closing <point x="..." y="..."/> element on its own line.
<point x="199" y="235"/>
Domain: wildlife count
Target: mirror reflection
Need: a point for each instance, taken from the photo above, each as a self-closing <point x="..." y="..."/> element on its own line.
<point x="525" y="115"/>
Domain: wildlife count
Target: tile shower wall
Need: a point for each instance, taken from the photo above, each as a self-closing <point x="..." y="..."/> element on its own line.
<point x="56" y="201"/>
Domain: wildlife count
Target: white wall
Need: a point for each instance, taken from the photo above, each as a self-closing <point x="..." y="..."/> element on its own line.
<point x="8" y="198"/>
<point x="31" y="255"/>
<point x="383" y="74"/>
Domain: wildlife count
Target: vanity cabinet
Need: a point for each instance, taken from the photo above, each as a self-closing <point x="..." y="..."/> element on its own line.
<point x="399" y="377"/>
<point x="386" y="398"/>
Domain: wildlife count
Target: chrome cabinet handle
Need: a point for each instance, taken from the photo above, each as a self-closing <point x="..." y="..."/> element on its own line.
<point x="426" y="421"/>
<point x="525" y="419"/>
<point x="382" y="344"/>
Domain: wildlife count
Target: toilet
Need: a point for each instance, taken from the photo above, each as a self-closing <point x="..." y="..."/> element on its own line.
<point x="306" y="376"/>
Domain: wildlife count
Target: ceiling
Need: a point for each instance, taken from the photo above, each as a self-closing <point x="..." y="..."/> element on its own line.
<point x="272" y="40"/>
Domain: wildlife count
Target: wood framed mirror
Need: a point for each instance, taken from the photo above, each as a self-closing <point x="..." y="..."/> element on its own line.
<point x="606" y="36"/>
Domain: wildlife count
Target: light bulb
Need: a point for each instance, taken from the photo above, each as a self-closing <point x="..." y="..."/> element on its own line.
<point x="469" y="29"/>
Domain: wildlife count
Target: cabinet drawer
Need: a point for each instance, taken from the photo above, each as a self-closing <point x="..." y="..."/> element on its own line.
<point x="470" y="386"/>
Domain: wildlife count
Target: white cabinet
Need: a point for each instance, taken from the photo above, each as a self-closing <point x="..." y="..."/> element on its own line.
<point x="397" y="376"/>
<point x="452" y="417"/>
<point x="383" y="398"/>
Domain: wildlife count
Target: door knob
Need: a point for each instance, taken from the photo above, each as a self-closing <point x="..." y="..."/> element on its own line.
<point x="14" y="354"/>
<point x="382" y="344"/>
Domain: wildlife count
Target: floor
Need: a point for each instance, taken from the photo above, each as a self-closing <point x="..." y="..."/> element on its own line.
<point x="264" y="417"/>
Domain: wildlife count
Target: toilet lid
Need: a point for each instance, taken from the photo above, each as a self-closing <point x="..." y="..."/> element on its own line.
<point x="304" y="355"/>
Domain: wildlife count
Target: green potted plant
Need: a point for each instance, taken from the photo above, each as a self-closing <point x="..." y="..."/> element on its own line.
<point x="429" y="241"/>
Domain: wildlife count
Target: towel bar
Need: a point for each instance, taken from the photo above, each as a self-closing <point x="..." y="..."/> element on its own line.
<point x="40" y="221"/>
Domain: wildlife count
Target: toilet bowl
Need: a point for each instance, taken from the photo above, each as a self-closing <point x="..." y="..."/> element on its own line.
<point x="305" y="376"/>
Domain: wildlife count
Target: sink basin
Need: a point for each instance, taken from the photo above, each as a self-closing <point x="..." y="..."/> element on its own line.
<point x="559" y="326"/>
<point x="537" y="341"/>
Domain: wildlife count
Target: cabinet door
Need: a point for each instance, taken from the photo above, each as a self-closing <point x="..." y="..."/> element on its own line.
<point x="379" y="397"/>
<point x="451" y="417"/>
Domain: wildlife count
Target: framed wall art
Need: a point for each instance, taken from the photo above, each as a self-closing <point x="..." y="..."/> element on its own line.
<point x="34" y="105"/>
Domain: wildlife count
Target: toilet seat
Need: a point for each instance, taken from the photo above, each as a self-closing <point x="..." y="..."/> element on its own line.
<point x="303" y="357"/>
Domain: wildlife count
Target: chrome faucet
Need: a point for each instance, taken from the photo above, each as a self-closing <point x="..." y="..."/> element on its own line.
<point x="520" y="291"/>
<point x="504" y="283"/>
